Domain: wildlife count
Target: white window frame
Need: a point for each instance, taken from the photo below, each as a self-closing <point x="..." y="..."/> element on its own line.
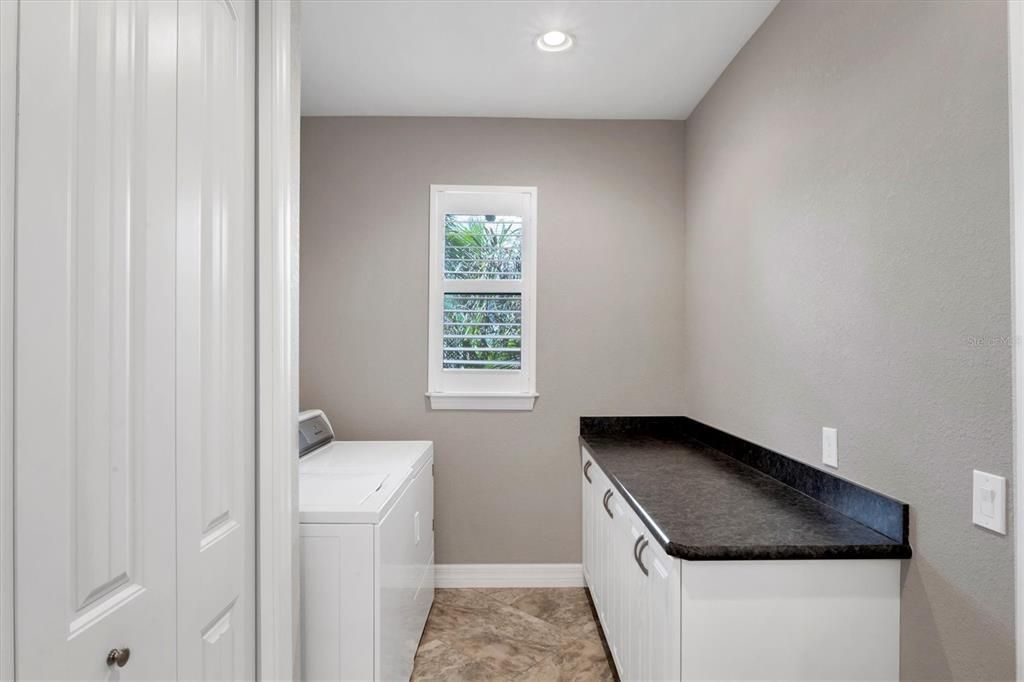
<point x="482" y="389"/>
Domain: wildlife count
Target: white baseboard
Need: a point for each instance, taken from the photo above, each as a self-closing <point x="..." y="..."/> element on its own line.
<point x="508" y="575"/>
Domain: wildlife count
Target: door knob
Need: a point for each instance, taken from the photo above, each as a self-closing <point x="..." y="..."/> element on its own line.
<point x="119" y="656"/>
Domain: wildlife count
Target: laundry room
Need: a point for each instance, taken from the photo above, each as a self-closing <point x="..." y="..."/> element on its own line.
<point x="493" y="340"/>
<point x="609" y="273"/>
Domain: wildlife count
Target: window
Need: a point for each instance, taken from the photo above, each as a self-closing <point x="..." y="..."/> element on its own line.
<point x="483" y="255"/>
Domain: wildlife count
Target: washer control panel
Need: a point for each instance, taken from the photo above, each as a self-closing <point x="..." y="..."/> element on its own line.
<point x="314" y="431"/>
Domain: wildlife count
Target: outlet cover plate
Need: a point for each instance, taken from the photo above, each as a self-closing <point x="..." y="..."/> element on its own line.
<point x="830" y="446"/>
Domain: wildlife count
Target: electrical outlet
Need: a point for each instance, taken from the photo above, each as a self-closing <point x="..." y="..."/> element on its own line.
<point x="990" y="501"/>
<point x="830" y="446"/>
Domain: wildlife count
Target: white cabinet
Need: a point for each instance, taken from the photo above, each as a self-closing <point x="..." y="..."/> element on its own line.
<point x="595" y="485"/>
<point x="588" y="526"/>
<point x="669" y="619"/>
<point x="657" y="614"/>
<point x="636" y="597"/>
<point x="644" y="595"/>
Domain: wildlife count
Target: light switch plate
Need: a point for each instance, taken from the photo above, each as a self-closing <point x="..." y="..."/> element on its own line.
<point x="830" y="446"/>
<point x="990" y="501"/>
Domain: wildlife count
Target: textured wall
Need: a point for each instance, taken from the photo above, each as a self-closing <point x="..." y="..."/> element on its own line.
<point x="847" y="244"/>
<point x="610" y="305"/>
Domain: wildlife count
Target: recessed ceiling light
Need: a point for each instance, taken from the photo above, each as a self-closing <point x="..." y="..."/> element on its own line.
<point x="554" y="41"/>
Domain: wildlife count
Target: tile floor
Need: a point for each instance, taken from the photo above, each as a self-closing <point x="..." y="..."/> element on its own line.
<point x="512" y="634"/>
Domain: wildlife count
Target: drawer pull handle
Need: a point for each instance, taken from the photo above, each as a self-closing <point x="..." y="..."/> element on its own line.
<point x="607" y="497"/>
<point x="637" y="544"/>
<point x="586" y="468"/>
<point x="639" y="557"/>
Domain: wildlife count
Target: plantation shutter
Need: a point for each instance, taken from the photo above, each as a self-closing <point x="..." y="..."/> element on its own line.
<point x="482" y="329"/>
<point x="482" y="275"/>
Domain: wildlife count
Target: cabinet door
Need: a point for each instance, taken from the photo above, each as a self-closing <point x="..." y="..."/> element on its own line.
<point x="587" y="517"/>
<point x="636" y="661"/>
<point x="606" y="539"/>
<point x="601" y="535"/>
<point x="661" y="605"/>
<point x="620" y="563"/>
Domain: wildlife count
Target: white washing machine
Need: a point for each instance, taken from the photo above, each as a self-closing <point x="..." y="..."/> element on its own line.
<point x="366" y="514"/>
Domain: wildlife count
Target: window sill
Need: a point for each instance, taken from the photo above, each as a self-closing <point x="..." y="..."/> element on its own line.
<point x="482" y="401"/>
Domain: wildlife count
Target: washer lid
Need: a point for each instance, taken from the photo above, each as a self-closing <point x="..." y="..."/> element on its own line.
<point x="326" y="490"/>
<point x="358" y="481"/>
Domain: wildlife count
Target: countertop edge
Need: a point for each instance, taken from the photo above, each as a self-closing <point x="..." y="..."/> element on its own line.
<point x="753" y="553"/>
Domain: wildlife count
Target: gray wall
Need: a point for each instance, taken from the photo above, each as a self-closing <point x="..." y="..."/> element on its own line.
<point x="610" y="305"/>
<point x="847" y="240"/>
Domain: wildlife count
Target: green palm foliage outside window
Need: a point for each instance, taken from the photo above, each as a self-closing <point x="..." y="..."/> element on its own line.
<point x="482" y="330"/>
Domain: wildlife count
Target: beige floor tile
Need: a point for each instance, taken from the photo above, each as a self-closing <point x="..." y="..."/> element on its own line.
<point x="450" y="614"/>
<point x="583" y="660"/>
<point x="507" y="595"/>
<point x="437" y="660"/>
<point x="565" y="607"/>
<point x="464" y="597"/>
<point x="506" y="638"/>
<point x="506" y="634"/>
<point x="578" y="661"/>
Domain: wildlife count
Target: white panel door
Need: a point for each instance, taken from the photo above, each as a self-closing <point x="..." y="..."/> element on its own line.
<point x="216" y="339"/>
<point x="94" y="342"/>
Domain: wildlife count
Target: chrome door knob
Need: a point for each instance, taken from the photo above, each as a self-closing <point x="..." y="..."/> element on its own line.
<point x="119" y="657"/>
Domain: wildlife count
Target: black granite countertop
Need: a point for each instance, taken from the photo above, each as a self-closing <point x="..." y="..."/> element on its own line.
<point x="703" y="504"/>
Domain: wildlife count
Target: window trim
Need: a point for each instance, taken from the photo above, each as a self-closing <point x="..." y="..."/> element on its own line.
<point x="442" y="394"/>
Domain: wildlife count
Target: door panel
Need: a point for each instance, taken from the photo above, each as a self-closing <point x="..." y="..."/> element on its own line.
<point x="216" y="339"/>
<point x="94" y="388"/>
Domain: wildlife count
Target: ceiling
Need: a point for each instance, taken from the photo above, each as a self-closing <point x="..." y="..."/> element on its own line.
<point x="632" y="59"/>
